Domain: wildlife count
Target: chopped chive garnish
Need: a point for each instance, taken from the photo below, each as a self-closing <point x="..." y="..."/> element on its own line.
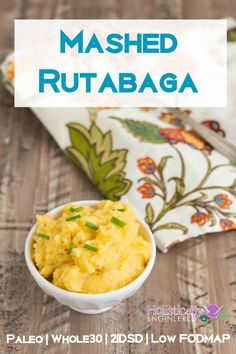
<point x="118" y="222"/>
<point x="46" y="237"/>
<point x="73" y="218"/>
<point x="90" y="248"/>
<point x="68" y="252"/>
<point x="122" y="209"/>
<point x="91" y="225"/>
<point x="76" y="210"/>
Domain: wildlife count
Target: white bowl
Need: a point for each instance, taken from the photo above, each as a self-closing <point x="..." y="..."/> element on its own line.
<point x="89" y="303"/>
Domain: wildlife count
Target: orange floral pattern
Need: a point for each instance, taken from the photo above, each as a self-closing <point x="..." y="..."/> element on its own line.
<point x="181" y="134"/>
<point x="227" y="224"/>
<point x="200" y="218"/>
<point x="170" y="118"/>
<point x="222" y="201"/>
<point x="147" y="190"/>
<point x="147" y="165"/>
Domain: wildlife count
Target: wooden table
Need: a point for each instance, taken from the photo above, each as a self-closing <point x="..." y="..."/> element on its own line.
<point x="36" y="176"/>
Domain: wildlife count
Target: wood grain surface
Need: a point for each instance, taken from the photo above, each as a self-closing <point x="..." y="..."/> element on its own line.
<point x="36" y="176"/>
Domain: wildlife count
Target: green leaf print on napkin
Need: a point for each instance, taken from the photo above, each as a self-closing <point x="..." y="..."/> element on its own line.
<point x="144" y="131"/>
<point x="172" y="225"/>
<point x="149" y="214"/>
<point x="92" y="151"/>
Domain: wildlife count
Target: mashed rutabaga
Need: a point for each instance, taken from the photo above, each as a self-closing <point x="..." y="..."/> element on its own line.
<point x="91" y="250"/>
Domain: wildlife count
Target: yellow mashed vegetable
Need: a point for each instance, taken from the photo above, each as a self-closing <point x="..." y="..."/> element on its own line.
<point x="91" y="250"/>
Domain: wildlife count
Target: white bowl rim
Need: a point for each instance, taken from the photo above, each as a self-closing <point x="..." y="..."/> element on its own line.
<point x="100" y="296"/>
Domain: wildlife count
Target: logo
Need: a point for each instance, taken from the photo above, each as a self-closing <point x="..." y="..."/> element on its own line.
<point x="213" y="311"/>
<point x="178" y="313"/>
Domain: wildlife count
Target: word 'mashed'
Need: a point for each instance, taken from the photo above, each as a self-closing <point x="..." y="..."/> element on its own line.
<point x="123" y="82"/>
<point x="116" y="43"/>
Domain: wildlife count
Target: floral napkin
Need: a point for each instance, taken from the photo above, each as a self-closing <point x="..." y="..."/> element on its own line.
<point x="150" y="159"/>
